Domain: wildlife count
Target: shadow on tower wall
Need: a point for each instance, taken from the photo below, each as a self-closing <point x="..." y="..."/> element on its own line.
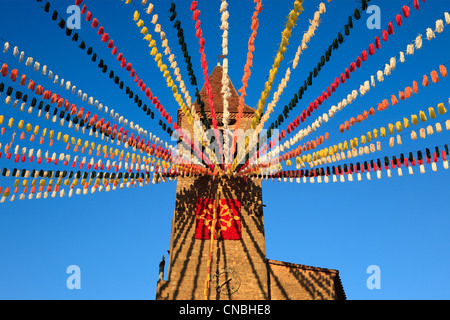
<point x="262" y="279"/>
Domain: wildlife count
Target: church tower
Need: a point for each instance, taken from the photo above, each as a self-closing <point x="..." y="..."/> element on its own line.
<point x="232" y="266"/>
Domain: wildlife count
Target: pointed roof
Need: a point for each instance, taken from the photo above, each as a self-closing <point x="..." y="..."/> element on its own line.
<point x="215" y="79"/>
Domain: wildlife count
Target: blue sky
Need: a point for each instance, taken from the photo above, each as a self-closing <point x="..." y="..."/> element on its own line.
<point x="118" y="238"/>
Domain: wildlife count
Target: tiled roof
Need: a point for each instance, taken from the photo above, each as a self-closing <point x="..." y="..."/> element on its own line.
<point x="215" y="79"/>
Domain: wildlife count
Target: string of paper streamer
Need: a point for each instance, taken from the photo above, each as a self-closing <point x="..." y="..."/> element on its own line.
<point x="129" y="67"/>
<point x="381" y="106"/>
<point x="247" y="70"/>
<point x="80" y="119"/>
<point x="336" y="152"/>
<point x="198" y="153"/>
<point x="67" y="84"/>
<point x="204" y="65"/>
<point x="377" y="166"/>
<point x="102" y="182"/>
<point x="334" y="46"/>
<point x="188" y="111"/>
<point x="314" y="105"/>
<point x="351" y="97"/>
<point x="402" y="95"/>
<point x="285" y="36"/>
<point x="225" y="91"/>
<point x="336" y="43"/>
<point x="152" y="150"/>
<point x="187" y="59"/>
<point x="104" y="68"/>
<point x="303" y="46"/>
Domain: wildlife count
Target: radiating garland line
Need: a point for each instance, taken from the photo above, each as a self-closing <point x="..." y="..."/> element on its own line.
<point x="403" y="95"/>
<point x="124" y="64"/>
<point x="286" y="35"/>
<point x="336" y="153"/>
<point x="67" y="109"/>
<point x="333" y="46"/>
<point x="79" y="146"/>
<point x="174" y="66"/>
<point x="187" y="59"/>
<point x="226" y="92"/>
<point x="382" y="106"/>
<point x="247" y="71"/>
<point x="99" y="186"/>
<point x="306" y="38"/>
<point x="204" y="64"/>
<point x="339" y="80"/>
<point x="191" y="115"/>
<point x="364" y="88"/>
<point x="21" y="155"/>
<point x="67" y="84"/>
<point x="375" y="165"/>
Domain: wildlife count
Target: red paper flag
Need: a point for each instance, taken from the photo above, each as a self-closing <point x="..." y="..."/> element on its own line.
<point x="228" y="220"/>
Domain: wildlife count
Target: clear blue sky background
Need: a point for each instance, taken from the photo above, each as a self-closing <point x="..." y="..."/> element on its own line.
<point x="118" y="238"/>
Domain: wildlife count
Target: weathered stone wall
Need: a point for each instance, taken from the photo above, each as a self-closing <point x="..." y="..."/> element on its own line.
<point x="189" y="256"/>
<point x="290" y="281"/>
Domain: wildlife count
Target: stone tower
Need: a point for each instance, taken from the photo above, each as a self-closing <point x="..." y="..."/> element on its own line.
<point x="237" y="267"/>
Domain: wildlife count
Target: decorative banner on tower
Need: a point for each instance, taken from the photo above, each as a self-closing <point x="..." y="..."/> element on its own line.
<point x="228" y="225"/>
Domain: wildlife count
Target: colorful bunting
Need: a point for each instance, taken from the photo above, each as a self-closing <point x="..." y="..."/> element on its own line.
<point x="106" y="165"/>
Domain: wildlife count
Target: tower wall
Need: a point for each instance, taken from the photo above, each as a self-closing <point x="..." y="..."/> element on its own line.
<point x="189" y="256"/>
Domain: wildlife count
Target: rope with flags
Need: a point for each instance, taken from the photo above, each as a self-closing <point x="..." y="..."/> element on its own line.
<point x="94" y="136"/>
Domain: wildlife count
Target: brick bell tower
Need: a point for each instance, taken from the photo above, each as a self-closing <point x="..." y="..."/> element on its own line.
<point x="237" y="267"/>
